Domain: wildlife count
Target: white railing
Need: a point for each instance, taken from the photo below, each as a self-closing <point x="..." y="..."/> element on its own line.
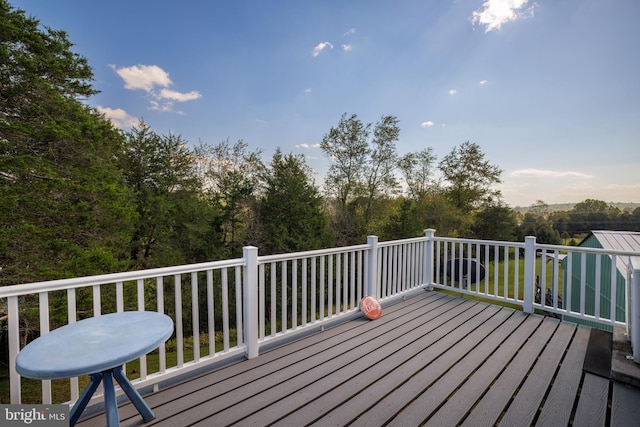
<point x="633" y="306"/>
<point x="302" y="289"/>
<point x="233" y="308"/>
<point x="202" y="297"/>
<point x="574" y="283"/>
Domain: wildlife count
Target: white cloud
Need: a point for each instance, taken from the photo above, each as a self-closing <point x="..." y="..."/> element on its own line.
<point x="143" y="77"/>
<point x="350" y="32"/>
<point x="120" y="118"/>
<point x="320" y="47"/>
<point x="151" y="77"/>
<point x="307" y="90"/>
<point x="308" y="146"/>
<point x="179" y="96"/>
<point x="631" y="187"/>
<point x="452" y="92"/>
<point x="164" y="107"/>
<point x="542" y="173"/>
<point x="347" y="47"/>
<point x="482" y="82"/>
<point x="427" y="124"/>
<point x="494" y="13"/>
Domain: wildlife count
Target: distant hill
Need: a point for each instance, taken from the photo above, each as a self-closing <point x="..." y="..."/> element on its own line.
<point x="625" y="206"/>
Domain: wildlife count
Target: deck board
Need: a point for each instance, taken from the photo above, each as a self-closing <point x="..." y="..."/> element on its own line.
<point x="431" y="359"/>
<point x="625" y="405"/>
<point x="488" y="409"/>
<point x="559" y="403"/>
<point x="239" y="374"/>
<point x="457" y="406"/>
<point x="425" y="370"/>
<point x="526" y="402"/>
<point x="366" y="348"/>
<point x="439" y="379"/>
<point x="383" y="372"/>
<point x="592" y="406"/>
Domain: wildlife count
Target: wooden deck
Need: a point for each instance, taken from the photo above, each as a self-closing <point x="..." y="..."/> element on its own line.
<point x="432" y="359"/>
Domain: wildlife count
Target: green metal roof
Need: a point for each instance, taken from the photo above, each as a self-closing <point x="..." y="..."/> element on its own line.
<point x="617" y="241"/>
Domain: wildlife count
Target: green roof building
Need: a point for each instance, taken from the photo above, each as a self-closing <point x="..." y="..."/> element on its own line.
<point x="606" y="272"/>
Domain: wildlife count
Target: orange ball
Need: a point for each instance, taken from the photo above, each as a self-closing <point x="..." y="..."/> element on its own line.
<point x="371" y="307"/>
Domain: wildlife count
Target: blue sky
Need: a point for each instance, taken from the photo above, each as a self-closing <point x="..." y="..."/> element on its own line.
<point x="550" y="89"/>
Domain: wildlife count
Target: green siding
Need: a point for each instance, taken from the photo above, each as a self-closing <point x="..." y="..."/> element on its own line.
<point x="590" y="267"/>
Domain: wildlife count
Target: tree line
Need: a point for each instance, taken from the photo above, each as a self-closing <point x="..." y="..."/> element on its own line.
<point x="567" y="226"/>
<point x="79" y="196"/>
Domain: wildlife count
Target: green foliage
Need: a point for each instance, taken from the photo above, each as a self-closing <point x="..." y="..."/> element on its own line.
<point x="403" y="222"/>
<point x="593" y="214"/>
<point x="417" y="170"/>
<point x="363" y="165"/>
<point x="469" y="176"/>
<point x="291" y="212"/>
<point x="64" y="207"/>
<point x="232" y="178"/>
<point x="541" y="227"/>
<point x="167" y="193"/>
<point x="348" y="147"/>
<point x="495" y="222"/>
<point x="37" y="65"/>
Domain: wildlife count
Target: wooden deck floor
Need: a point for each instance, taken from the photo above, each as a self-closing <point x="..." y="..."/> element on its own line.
<point x="432" y="359"/>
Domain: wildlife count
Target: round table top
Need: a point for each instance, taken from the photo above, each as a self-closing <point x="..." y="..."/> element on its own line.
<point x="94" y="345"/>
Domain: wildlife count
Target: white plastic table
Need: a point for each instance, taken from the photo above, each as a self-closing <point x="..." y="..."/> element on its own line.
<point x="97" y="347"/>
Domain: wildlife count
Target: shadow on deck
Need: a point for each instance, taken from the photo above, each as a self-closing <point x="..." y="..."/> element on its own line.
<point x="431" y="359"/>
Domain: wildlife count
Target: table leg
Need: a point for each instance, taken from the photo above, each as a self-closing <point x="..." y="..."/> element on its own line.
<point x="110" y="403"/>
<point x="134" y="396"/>
<point x="84" y="399"/>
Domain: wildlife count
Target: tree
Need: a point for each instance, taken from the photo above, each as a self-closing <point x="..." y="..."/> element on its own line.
<point x="362" y="170"/>
<point x="634" y="220"/>
<point x="561" y="222"/>
<point x="593" y="214"/>
<point x="65" y="207"/>
<point x="404" y="223"/>
<point x="291" y="209"/>
<point x="380" y="173"/>
<point x="232" y="178"/>
<point x="495" y="222"/>
<point x="347" y="147"/>
<point x="469" y="177"/>
<point x="542" y="228"/>
<point x="592" y="206"/>
<point x="37" y="67"/>
<point x="540" y="208"/>
<point x="417" y="169"/>
<point x="161" y="173"/>
<point x="438" y="212"/>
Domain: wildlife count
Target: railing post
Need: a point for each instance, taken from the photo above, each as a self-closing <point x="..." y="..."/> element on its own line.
<point x="634" y="318"/>
<point x="13" y="326"/>
<point x="372" y="279"/>
<point x="529" y="273"/>
<point x="250" y="303"/>
<point x="428" y="257"/>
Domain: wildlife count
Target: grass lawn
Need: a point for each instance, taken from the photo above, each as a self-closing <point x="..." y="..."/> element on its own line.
<point x="497" y="270"/>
